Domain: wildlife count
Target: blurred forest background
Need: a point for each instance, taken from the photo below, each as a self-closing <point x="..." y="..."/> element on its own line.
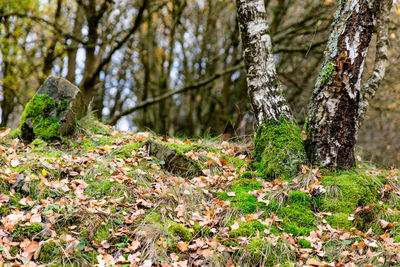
<point x="175" y="66"/>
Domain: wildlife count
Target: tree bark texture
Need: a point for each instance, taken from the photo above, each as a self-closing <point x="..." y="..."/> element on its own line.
<point x="264" y="88"/>
<point x="334" y="109"/>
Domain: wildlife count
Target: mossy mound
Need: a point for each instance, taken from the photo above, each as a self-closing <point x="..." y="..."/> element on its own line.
<point x="298" y="217"/>
<point x="346" y="191"/>
<point x="246" y="229"/>
<point x="278" y="150"/>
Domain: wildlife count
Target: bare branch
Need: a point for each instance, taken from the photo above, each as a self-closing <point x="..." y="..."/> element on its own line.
<point x="56" y="28"/>
<point x="167" y="95"/>
<point x="118" y="45"/>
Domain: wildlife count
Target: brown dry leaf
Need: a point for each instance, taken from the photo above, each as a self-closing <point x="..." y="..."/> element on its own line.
<point x="182" y="246"/>
<point x="229" y="263"/>
<point x="174" y="257"/>
<point x="15" y="163"/>
<point x="135" y="245"/>
<point x="4" y="198"/>
<point x="32" y="247"/>
<point x="180" y="264"/>
<point x="35" y="218"/>
<point x="235" y="225"/>
<point x="313" y="262"/>
<point x="207" y="252"/>
<point x="383" y="223"/>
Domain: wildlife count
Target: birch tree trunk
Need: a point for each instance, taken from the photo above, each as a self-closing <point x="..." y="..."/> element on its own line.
<point x="334" y="110"/>
<point x="278" y="149"/>
<point x="262" y="81"/>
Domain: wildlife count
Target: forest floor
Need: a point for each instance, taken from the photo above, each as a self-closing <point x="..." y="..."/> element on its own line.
<point x="106" y="198"/>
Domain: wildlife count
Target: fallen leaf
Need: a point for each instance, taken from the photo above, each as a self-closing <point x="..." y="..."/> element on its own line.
<point x="35" y="218"/>
<point x="313" y="262"/>
<point x="32" y="247"/>
<point x="4" y="198"/>
<point x="235" y="225"/>
<point x="182" y="246"/>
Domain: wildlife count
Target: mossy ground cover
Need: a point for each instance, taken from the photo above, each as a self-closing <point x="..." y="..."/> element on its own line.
<point x="100" y="198"/>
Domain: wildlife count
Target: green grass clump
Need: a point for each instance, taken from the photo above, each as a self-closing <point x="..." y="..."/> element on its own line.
<point x="261" y="252"/>
<point x="298" y="217"/>
<point x="304" y="243"/>
<point x="201" y="230"/>
<point x="248" y="229"/>
<point x="243" y="201"/>
<point x="48" y="252"/>
<point x="278" y="149"/>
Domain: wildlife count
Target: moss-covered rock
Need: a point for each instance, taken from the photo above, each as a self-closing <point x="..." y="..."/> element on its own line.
<point x="175" y="160"/>
<point x="279" y="149"/>
<point x="52" y="112"/>
<point x="347" y="190"/>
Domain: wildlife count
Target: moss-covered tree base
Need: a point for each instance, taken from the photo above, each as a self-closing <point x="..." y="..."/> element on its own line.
<point x="279" y="149"/>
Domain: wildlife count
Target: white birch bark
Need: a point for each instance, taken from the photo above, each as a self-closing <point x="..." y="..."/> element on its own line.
<point x="263" y="84"/>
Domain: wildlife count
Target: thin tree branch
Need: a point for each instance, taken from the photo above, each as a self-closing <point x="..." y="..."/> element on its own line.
<point x="119" y="44"/>
<point x="167" y="95"/>
<point x="304" y="49"/>
<point x="55" y="26"/>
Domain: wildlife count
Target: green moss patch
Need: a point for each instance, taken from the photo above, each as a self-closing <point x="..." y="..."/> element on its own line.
<point x="346" y="191"/>
<point x="176" y="229"/>
<point x="126" y="150"/>
<point x="246" y="229"/>
<point x="298" y="217"/>
<point x="278" y="150"/>
<point x="243" y="201"/>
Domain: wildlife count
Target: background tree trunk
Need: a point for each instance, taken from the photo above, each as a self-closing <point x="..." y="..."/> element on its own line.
<point x="333" y="115"/>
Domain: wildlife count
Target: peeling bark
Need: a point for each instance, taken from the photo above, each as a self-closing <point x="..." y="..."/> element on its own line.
<point x="334" y="109"/>
<point x="265" y="90"/>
